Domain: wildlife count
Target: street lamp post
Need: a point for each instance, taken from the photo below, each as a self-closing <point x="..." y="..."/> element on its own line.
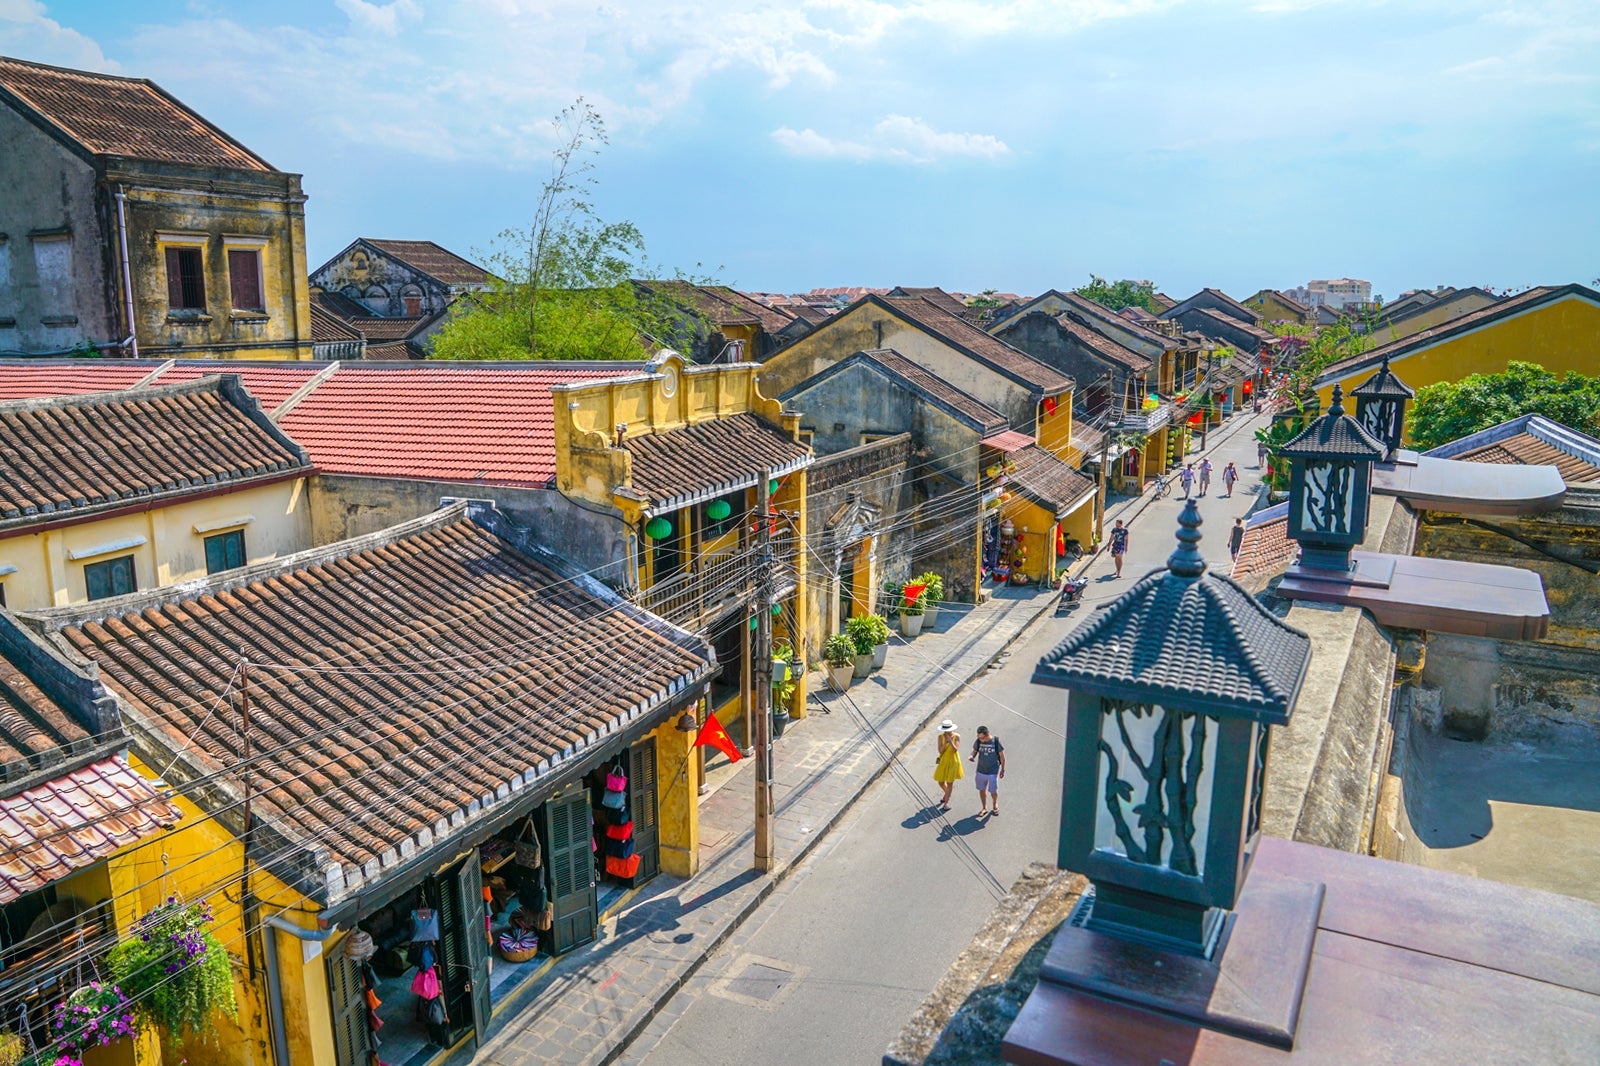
<point x="1330" y="487"/>
<point x="1381" y="408"/>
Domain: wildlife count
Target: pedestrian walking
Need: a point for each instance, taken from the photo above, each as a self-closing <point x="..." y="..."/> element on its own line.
<point x="1119" y="545"/>
<point x="1230" y="474"/>
<point x="1261" y="455"/>
<point x="1186" y="475"/>
<point x="948" y="769"/>
<point x="991" y="758"/>
<point x="1235" y="538"/>
<point x="1205" y="474"/>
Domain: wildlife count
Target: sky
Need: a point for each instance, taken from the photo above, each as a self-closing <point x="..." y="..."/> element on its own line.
<point x="1015" y="145"/>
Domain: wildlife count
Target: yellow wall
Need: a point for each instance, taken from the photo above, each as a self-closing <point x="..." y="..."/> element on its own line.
<point x="1273" y="309"/>
<point x="1560" y="336"/>
<point x="1055" y="431"/>
<point x="169" y="549"/>
<point x="1435" y="314"/>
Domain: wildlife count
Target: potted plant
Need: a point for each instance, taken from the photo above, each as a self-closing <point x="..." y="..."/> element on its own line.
<point x="932" y="598"/>
<point x="862" y="635"/>
<point x="94" y="1015"/>
<point x="913" y="597"/>
<point x="880" y="639"/>
<point x="840" y="653"/>
<point x="176" y="970"/>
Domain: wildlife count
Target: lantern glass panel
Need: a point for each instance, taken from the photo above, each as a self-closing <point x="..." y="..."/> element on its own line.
<point x="1327" y="504"/>
<point x="1157" y="767"/>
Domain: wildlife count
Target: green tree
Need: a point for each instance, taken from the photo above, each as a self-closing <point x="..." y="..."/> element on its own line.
<point x="1119" y="294"/>
<point x="1450" y="410"/>
<point x="563" y="286"/>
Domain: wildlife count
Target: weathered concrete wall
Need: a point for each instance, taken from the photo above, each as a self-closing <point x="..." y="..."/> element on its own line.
<point x="345" y="506"/>
<point x="383" y="284"/>
<point x="49" y="198"/>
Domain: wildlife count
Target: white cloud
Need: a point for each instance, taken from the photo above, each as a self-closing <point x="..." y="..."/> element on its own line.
<point x="26" y="32"/>
<point x="896" y="138"/>
<point x="379" y="18"/>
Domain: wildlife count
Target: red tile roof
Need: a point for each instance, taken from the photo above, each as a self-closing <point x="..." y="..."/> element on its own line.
<point x="327" y="327"/>
<point x="122" y="117"/>
<point x="437" y="262"/>
<point x="492" y="424"/>
<point x="64" y="456"/>
<point x="1009" y="441"/>
<point x="73" y="821"/>
<point x="1266" y="550"/>
<point x="28" y="380"/>
<point x="682" y="465"/>
<point x="271" y="384"/>
<point x="414" y="673"/>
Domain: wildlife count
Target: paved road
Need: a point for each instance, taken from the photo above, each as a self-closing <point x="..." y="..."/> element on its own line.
<point x="847" y="948"/>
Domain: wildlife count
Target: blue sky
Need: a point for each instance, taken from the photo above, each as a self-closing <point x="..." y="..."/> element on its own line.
<point x="1009" y="144"/>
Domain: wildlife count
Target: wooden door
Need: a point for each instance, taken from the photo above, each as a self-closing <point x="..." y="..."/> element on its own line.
<point x="460" y="952"/>
<point x="467" y="886"/>
<point x="347" y="996"/>
<point x="643" y="806"/>
<point x="569" y="859"/>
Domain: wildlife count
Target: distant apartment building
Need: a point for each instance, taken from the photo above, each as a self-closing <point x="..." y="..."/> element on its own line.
<point x="1338" y="293"/>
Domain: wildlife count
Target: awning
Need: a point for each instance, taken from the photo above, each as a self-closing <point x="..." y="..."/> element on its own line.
<point x="69" y="822"/>
<point x="1041" y="477"/>
<point x="1009" y="441"/>
<point x="686" y="466"/>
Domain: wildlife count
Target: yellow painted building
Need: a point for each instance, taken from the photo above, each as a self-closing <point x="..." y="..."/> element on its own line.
<point x="1458" y="304"/>
<point x="1556" y="327"/>
<point x="1274" y="306"/>
<point x="679" y="452"/>
<point x="190" y="479"/>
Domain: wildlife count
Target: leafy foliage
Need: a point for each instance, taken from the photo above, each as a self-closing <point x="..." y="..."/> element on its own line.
<point x="176" y="971"/>
<point x="935" y="583"/>
<point x="1452" y="409"/>
<point x="1319" y="347"/>
<point x="867" y="631"/>
<point x="1119" y="294"/>
<point x="1280" y="432"/>
<point x="92" y="1016"/>
<point x="563" y="287"/>
<point x="839" y="650"/>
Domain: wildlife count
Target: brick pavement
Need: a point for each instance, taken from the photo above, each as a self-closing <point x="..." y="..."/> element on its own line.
<point x="595" y="1000"/>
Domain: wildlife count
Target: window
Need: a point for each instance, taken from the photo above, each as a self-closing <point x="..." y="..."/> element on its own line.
<point x="873" y="438"/>
<point x="113" y="577"/>
<point x="186" y="279"/>
<point x="807" y="435"/>
<point x="244" y="279"/>
<point x="52" y="260"/>
<point x="225" y="551"/>
<point x="413" y="306"/>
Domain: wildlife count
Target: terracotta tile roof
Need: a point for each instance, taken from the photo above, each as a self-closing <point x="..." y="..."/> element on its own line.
<point x="329" y="328"/>
<point x="1103" y="346"/>
<point x="983" y="417"/>
<point x="711" y="458"/>
<point x="1110" y="318"/>
<point x="772" y="319"/>
<point x="1266" y="550"/>
<point x="65" y="456"/>
<point x="1008" y="441"/>
<point x="1048" y="481"/>
<point x="944" y="301"/>
<point x="710" y="302"/>
<point x="271" y="384"/>
<point x="423" y="677"/>
<point x="986" y="349"/>
<point x="122" y="117"/>
<point x="28" y="379"/>
<point x="34" y="729"/>
<point x="73" y="821"/>
<point x="1484" y="316"/>
<point x="1163" y="301"/>
<point x="1524" y="449"/>
<point x="1237" y="311"/>
<point x="1211" y="319"/>
<point x="438" y="263"/>
<point x="807" y="313"/>
<point x="379" y="328"/>
<point x="394" y="351"/>
<point x="434" y="420"/>
<point x="1197" y="642"/>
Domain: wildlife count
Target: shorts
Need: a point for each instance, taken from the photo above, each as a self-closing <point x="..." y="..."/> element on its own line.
<point x="989" y="783"/>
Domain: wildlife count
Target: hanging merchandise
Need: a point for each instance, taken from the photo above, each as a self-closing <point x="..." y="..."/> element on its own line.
<point x="618" y="816"/>
<point x="424" y="925"/>
<point x="620" y="832"/>
<point x="518" y="945"/>
<point x="527" y="849"/>
<point x="619" y="849"/>
<point x="614" y="800"/>
<point x="616" y="778"/>
<point x="426" y="983"/>
<point x="623" y="868"/>
<point x="359" y="946"/>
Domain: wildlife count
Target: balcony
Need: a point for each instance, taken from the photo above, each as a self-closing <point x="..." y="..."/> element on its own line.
<point x="1146" y="421"/>
<point x="719" y="584"/>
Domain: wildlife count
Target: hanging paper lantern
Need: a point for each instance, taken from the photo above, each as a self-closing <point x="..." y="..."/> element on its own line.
<point x="753" y="622"/>
<point x="717" y="510"/>
<point x="772" y="486"/>
<point x="658" y="528"/>
<point x="777" y="609"/>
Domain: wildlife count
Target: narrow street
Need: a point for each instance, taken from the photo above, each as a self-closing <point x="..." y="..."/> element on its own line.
<point x="862" y="930"/>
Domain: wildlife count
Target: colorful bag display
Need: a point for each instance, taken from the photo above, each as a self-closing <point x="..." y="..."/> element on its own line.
<point x="620" y="832"/>
<point x="527" y="849"/>
<point x="619" y="849"/>
<point x="614" y="800"/>
<point x="426" y="983"/>
<point x="616" y="780"/>
<point x="424" y="925"/>
<point x="623" y="868"/>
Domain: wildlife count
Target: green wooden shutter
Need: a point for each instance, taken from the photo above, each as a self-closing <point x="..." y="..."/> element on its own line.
<point x="643" y="803"/>
<point x="347" y="994"/>
<point x="570" y="860"/>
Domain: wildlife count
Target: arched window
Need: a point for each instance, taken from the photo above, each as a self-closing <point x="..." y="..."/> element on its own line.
<point x="411" y="297"/>
<point x="377" y="299"/>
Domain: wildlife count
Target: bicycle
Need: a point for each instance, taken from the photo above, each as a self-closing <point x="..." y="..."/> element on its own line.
<point x="1164" y="484"/>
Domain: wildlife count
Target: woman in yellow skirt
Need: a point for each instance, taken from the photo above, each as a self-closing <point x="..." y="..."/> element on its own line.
<point x="948" y="769"/>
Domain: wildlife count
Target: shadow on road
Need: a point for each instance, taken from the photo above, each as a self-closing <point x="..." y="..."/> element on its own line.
<point x="960" y="827"/>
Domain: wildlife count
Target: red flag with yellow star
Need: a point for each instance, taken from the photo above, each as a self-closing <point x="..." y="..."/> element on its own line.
<point x="717" y="737"/>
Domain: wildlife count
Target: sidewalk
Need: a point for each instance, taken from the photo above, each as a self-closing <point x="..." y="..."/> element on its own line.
<point x="597" y="999"/>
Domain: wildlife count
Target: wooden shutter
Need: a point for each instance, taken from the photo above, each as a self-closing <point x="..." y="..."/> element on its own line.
<point x="347" y="995"/>
<point x="570" y="859"/>
<point x="174" y="278"/>
<point x="643" y="804"/>
<point x="468" y="888"/>
<point x="244" y="279"/>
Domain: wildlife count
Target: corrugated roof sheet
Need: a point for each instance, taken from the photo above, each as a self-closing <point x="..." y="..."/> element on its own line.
<point x="73" y="821"/>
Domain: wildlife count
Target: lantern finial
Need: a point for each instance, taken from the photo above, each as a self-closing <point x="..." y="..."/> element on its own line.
<point x="1337" y="407"/>
<point x="1186" y="560"/>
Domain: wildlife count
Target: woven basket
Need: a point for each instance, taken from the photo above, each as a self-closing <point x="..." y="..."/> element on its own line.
<point x="519" y="950"/>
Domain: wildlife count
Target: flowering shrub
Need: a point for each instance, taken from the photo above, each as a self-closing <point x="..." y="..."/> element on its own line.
<point x="94" y="1015"/>
<point x="176" y="970"/>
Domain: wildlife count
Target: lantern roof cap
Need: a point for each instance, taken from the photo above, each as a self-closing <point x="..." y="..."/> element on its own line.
<point x="1335" y="435"/>
<point x="1384" y="385"/>
<point x="1186" y="639"/>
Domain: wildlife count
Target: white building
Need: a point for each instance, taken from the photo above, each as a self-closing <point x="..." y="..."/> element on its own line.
<point x="1337" y="293"/>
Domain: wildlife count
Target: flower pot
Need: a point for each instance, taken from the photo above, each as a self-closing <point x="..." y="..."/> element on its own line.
<point x="863" y="665"/>
<point x="880" y="653"/>
<point x="910" y="624"/>
<point x="780" y="722"/>
<point x="930" y="617"/>
<point x="841" y="675"/>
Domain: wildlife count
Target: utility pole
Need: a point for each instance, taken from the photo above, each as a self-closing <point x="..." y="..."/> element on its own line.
<point x="245" y="898"/>
<point x="1105" y="457"/>
<point x="1205" y="397"/>
<point x="761" y="654"/>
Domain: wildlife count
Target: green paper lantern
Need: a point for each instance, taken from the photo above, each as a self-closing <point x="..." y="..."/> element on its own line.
<point x="717" y="510"/>
<point x="772" y="486"/>
<point x="753" y="622"/>
<point x="658" y="529"/>
<point x="777" y="609"/>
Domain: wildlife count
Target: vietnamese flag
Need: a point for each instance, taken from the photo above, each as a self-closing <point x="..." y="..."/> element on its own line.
<point x="717" y="737"/>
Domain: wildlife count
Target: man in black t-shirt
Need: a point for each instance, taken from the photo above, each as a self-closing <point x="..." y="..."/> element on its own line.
<point x="990" y="755"/>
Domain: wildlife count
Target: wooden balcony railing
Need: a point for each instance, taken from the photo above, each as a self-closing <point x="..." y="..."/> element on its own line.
<point x="717" y="584"/>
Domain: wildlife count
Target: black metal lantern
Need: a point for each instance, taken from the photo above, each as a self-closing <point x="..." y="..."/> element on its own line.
<point x="1381" y="407"/>
<point x="1172" y="687"/>
<point x="1330" y="486"/>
